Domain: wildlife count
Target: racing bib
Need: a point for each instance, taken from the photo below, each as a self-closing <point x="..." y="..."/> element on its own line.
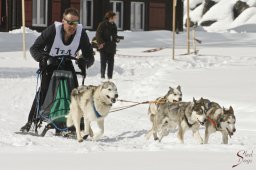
<point x="59" y="48"/>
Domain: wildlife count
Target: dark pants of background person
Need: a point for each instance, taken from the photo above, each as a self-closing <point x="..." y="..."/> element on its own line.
<point x="106" y="58"/>
<point x="45" y="81"/>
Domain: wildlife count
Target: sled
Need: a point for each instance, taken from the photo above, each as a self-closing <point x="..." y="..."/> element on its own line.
<point x="55" y="106"/>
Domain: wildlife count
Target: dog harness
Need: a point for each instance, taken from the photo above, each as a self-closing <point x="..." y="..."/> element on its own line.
<point x="189" y="125"/>
<point x="98" y="115"/>
<point x="216" y="123"/>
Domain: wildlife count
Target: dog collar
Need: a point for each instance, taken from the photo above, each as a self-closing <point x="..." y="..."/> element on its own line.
<point x="98" y="115"/>
<point x="189" y="125"/>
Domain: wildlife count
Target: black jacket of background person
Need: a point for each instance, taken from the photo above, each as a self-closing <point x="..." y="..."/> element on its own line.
<point x="107" y="33"/>
<point x="44" y="42"/>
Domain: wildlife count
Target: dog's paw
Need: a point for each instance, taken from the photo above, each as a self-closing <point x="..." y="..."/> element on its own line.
<point x="181" y="141"/>
<point x="85" y="137"/>
<point x="96" y="137"/>
<point x="80" y="140"/>
<point x="148" y="135"/>
<point x="201" y="141"/>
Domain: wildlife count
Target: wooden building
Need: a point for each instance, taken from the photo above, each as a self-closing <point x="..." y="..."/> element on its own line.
<point x="135" y="15"/>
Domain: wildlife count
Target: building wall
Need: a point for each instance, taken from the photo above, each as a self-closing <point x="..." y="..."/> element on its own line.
<point x="0" y="12"/>
<point x="157" y="16"/>
<point x="55" y="11"/>
<point x="75" y="4"/>
<point x="158" y="13"/>
<point x="161" y="14"/>
<point x="28" y="12"/>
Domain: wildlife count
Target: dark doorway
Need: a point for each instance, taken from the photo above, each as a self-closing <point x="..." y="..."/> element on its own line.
<point x="64" y="5"/>
<point x="15" y="21"/>
<point x="179" y="15"/>
<point x="3" y="15"/>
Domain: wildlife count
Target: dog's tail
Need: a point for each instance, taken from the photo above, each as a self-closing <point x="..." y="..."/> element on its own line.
<point x="69" y="121"/>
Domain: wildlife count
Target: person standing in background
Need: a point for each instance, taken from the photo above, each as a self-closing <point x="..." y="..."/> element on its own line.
<point x="106" y="37"/>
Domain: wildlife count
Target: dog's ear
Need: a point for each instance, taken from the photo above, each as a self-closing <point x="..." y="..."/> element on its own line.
<point x="179" y="88"/>
<point x="224" y="110"/>
<point x="194" y="100"/>
<point x="104" y="85"/>
<point x="231" y="109"/>
<point x="101" y="86"/>
<point x="201" y="100"/>
<point x="170" y="88"/>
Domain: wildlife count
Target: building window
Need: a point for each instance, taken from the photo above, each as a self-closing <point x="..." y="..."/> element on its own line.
<point x="86" y="15"/>
<point x="40" y="11"/>
<point x="137" y="16"/>
<point x="117" y="7"/>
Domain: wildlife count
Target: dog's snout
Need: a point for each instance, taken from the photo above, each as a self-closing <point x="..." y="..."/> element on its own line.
<point x="180" y="99"/>
<point x="203" y="122"/>
<point x="113" y="100"/>
<point x="116" y="95"/>
<point x="234" y="130"/>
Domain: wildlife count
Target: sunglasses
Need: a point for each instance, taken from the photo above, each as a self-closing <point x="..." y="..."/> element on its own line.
<point x="71" y="22"/>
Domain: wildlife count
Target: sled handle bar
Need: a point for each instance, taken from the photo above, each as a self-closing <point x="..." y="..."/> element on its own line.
<point x="66" y="57"/>
<point x="74" y="58"/>
<point x="71" y="58"/>
<point x="78" y="72"/>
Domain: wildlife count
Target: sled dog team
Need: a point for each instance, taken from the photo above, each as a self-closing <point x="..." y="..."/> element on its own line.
<point x="168" y="113"/>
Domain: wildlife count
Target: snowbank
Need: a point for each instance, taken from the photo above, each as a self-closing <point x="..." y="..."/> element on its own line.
<point x="222" y="13"/>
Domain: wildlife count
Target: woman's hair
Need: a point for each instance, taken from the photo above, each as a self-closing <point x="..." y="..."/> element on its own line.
<point x="72" y="11"/>
<point x="109" y="14"/>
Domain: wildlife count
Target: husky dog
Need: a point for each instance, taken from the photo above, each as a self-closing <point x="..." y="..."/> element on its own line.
<point x="185" y="115"/>
<point x="173" y="95"/>
<point x="219" y="119"/>
<point x="93" y="103"/>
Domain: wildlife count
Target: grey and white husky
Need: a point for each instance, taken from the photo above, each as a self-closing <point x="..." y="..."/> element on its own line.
<point x="219" y="119"/>
<point x="173" y="95"/>
<point x="185" y="115"/>
<point x="93" y="103"/>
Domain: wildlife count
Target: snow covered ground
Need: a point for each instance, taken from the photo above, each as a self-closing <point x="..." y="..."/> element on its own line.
<point x="224" y="71"/>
